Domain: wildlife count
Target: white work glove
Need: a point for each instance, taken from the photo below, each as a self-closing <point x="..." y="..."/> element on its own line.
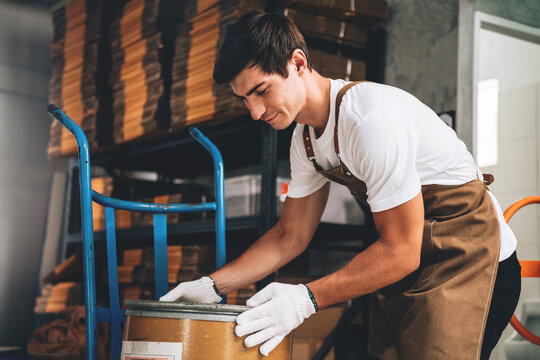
<point x="202" y="291"/>
<point x="277" y="310"/>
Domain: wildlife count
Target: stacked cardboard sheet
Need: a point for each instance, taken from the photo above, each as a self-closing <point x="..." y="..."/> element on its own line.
<point x="147" y="219"/>
<point x="68" y="270"/>
<point x="329" y="28"/>
<point x="136" y="75"/>
<point x="240" y="296"/>
<point x="335" y="66"/>
<point x="77" y="75"/>
<point x="195" y="96"/>
<point x="123" y="218"/>
<point x="185" y="263"/>
<point x="58" y="297"/>
<point x="136" y="293"/>
<point x="341" y="22"/>
<point x="188" y="262"/>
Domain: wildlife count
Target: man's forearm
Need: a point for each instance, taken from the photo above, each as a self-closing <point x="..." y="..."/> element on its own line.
<point x="270" y="252"/>
<point x="374" y="268"/>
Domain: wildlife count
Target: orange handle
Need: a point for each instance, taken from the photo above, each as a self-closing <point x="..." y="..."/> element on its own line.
<point x="529" y="268"/>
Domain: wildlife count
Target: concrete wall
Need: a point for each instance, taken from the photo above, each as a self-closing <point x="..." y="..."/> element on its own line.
<point x="421" y="53"/>
<point x="25" y="35"/>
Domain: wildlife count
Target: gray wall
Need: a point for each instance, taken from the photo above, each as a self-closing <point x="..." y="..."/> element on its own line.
<point x="25" y="35"/>
<point x="421" y="53"/>
<point x="526" y="12"/>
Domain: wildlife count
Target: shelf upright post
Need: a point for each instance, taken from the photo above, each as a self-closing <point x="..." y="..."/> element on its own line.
<point x="268" y="186"/>
<point x="71" y="167"/>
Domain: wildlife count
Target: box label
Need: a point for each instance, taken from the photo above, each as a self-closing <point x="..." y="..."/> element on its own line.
<point x="147" y="350"/>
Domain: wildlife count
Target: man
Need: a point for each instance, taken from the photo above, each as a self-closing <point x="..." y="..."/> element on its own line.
<point x="433" y="269"/>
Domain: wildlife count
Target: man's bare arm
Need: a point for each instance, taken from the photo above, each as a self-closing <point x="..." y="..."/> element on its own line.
<point x="282" y="243"/>
<point x="395" y="255"/>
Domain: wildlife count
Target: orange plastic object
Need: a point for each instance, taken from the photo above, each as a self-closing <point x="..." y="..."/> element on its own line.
<point x="529" y="268"/>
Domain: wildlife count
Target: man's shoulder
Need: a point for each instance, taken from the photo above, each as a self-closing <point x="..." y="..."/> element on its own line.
<point x="365" y="98"/>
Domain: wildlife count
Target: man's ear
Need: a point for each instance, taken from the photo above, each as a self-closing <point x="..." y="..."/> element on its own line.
<point x="299" y="60"/>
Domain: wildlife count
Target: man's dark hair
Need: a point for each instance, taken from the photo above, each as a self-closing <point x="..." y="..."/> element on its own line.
<point x="259" y="39"/>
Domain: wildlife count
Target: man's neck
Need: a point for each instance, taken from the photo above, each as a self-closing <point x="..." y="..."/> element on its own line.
<point x="317" y="108"/>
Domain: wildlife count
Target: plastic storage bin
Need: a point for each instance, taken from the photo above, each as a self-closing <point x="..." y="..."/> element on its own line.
<point x="243" y="195"/>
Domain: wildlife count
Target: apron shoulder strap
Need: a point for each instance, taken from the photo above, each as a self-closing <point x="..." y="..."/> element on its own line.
<point x="306" y="136"/>
<point x="339" y="98"/>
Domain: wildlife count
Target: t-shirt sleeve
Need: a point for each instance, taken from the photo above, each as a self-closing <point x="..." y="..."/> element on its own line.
<point x="382" y="149"/>
<point x="304" y="179"/>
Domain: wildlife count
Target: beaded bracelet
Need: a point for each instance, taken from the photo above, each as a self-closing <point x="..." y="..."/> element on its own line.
<point x="215" y="288"/>
<point x="312" y="298"/>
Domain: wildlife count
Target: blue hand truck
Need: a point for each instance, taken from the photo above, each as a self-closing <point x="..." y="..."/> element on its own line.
<point x="114" y="314"/>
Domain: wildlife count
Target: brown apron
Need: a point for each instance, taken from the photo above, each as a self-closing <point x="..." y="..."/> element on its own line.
<point x="440" y="310"/>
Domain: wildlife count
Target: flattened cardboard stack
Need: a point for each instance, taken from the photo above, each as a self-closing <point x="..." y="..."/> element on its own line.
<point x="336" y="66"/>
<point x="76" y="75"/>
<point x="140" y="31"/>
<point x="58" y="297"/>
<point x="124" y="219"/>
<point x="104" y="186"/>
<point x="132" y="269"/>
<point x="147" y="219"/>
<point x="341" y="21"/>
<point x="329" y="28"/>
<point x="136" y="70"/>
<point x="185" y="263"/>
<point x="344" y="21"/>
<point x="195" y="96"/>
<point x="68" y="270"/>
<point x="240" y="296"/>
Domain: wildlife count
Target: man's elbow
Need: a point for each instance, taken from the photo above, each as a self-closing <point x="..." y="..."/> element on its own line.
<point x="290" y="240"/>
<point x="411" y="256"/>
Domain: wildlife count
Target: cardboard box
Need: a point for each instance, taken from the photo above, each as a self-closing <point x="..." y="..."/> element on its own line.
<point x="320" y="324"/>
<point x="305" y="348"/>
<point x="309" y="336"/>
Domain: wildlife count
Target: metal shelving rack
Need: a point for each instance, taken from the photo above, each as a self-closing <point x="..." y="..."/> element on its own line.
<point x="273" y="146"/>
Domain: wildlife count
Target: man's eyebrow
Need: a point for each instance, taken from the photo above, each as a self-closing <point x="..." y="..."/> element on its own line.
<point x="250" y="91"/>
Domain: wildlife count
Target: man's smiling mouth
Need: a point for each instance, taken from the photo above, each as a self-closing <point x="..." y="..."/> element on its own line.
<point x="271" y="118"/>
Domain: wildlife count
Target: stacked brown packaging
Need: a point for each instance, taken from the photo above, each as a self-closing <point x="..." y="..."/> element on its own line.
<point x="339" y="21"/>
<point x="63" y="286"/>
<point x="185" y="263"/>
<point x="123" y="218"/>
<point x="141" y="45"/>
<point x="344" y="21"/>
<point x="136" y="70"/>
<point x="58" y="297"/>
<point x="147" y="219"/>
<point x="77" y="75"/>
<point x="240" y="296"/>
<point x="195" y="96"/>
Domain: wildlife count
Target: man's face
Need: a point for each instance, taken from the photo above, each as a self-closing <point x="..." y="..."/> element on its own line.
<point x="270" y="97"/>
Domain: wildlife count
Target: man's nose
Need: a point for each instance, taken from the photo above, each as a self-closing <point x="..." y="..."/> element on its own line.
<point x="256" y="109"/>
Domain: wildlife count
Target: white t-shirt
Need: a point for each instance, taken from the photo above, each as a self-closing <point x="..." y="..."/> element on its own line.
<point x="392" y="142"/>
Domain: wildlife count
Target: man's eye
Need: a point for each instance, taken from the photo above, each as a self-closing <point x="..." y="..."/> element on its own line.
<point x="262" y="92"/>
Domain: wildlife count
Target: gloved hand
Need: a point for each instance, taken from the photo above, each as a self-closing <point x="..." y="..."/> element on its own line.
<point x="278" y="309"/>
<point x="202" y="291"/>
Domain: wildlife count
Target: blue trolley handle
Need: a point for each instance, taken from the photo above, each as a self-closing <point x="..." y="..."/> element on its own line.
<point x="87" y="223"/>
<point x="87" y="227"/>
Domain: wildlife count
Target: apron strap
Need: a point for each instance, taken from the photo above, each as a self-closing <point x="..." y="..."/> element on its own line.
<point x="339" y="97"/>
<point x="307" y="137"/>
<point x="309" y="148"/>
<point x="488" y="178"/>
